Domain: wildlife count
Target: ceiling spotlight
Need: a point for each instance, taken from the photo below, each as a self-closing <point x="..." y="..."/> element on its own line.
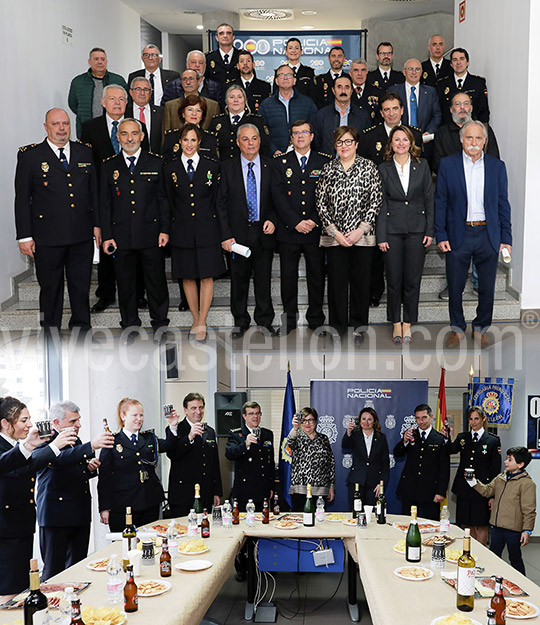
<point x="308" y="12"/>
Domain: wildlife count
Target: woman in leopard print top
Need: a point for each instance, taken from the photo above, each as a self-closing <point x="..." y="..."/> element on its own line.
<point x="312" y="460"/>
<point x="349" y="198"/>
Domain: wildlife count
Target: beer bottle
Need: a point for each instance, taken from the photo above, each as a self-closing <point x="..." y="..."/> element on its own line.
<point x="276" y="504"/>
<point x="309" y="509"/>
<point x="381" y="505"/>
<point x="35" y="608"/>
<point x="76" y="618"/>
<point x="498" y="602"/>
<point x="165" y="561"/>
<point x="197" y="504"/>
<point x="413" y="542"/>
<point x="128" y="537"/>
<point x="106" y="427"/>
<point x="235" y="513"/>
<point x="131" y="598"/>
<point x="465" y="576"/>
<point x="205" y="525"/>
<point x="265" y="512"/>
<point x="357" y="501"/>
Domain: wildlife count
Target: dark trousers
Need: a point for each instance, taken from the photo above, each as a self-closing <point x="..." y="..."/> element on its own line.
<point x="117" y="520"/>
<point x="430" y="510"/>
<point x="501" y="537"/>
<point x="260" y="263"/>
<point x="476" y="247"/>
<point x="106" y="288"/>
<point x="289" y="257"/>
<point x="404" y="262"/>
<point x="62" y="547"/>
<point x="15" y="554"/>
<point x="348" y="270"/>
<point x="51" y="262"/>
<point x="153" y="266"/>
<point x="376" y="275"/>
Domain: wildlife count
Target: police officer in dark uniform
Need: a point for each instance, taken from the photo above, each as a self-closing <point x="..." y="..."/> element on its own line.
<point x="253" y="454"/>
<point x="127" y="475"/>
<point x="56" y="217"/>
<point x="481" y="451"/>
<point x="221" y="63"/>
<point x="325" y="82"/>
<point x="384" y="76"/>
<point x="225" y="126"/>
<point x="364" y="95"/>
<point x="298" y="227"/>
<point x="424" y="478"/>
<point x="461" y="80"/>
<point x="256" y="89"/>
<point x="136" y="225"/>
<point x="63" y="494"/>
<point x="306" y="83"/>
<point x="436" y="67"/>
<point x="194" y="461"/>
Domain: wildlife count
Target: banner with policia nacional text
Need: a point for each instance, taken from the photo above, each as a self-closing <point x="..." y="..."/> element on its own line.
<point x="268" y="48"/>
<point x="496" y="397"/>
<point x="337" y="401"/>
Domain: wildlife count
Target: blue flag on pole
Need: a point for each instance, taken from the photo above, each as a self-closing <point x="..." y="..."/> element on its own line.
<point x="289" y="408"/>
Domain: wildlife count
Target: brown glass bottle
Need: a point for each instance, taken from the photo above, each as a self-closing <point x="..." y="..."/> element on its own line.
<point x="106" y="427"/>
<point x="266" y="513"/>
<point x="205" y="525"/>
<point x="276" y="504"/>
<point x="131" y="598"/>
<point x="498" y="602"/>
<point x="76" y="618"/>
<point x="235" y="513"/>
<point x="165" y="560"/>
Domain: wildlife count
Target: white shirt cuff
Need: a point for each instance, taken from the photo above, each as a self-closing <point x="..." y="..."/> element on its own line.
<point x="174" y="429"/>
<point x="25" y="240"/>
<point x="54" y="449"/>
<point x="24" y="451"/>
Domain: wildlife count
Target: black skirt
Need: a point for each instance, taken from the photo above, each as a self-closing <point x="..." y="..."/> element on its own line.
<point x="472" y="512"/>
<point x="15" y="556"/>
<point x="199" y="262"/>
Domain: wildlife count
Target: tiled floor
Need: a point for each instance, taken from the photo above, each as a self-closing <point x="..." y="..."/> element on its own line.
<point x="318" y="598"/>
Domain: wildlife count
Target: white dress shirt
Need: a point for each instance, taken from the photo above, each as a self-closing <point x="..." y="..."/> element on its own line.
<point x="299" y="157"/>
<point x="474" y="181"/>
<point x="480" y="433"/>
<point x="147" y="115"/>
<point x="14" y="443"/>
<point x="158" y="87"/>
<point x="127" y="156"/>
<point x="195" y="158"/>
<point x="408" y="94"/>
<point x="404" y="173"/>
<point x="462" y="78"/>
<point x="130" y="434"/>
<point x="56" y="150"/>
<point x="368" y="440"/>
<point x="110" y="123"/>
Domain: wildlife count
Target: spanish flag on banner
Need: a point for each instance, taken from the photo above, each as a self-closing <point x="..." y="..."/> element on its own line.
<point x="440" y="415"/>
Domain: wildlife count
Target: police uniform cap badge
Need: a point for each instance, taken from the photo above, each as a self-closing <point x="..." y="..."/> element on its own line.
<point x="45" y="167"/>
<point x="176" y="147"/>
<point x="116" y="174"/>
<point x="212" y="64"/>
<point x="119" y="448"/>
<point x="378" y="146"/>
<point x="288" y="172"/>
<point x="447" y="91"/>
<point x="218" y="127"/>
<point x="424" y="75"/>
<point x="174" y="177"/>
<point x="462" y="442"/>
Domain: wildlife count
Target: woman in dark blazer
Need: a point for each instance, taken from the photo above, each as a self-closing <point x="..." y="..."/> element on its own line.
<point x="18" y="490"/>
<point x="192" y="110"/>
<point x="480" y="450"/>
<point x="127" y="475"/>
<point x="404" y="227"/>
<point x="195" y="236"/>
<point x="369" y="467"/>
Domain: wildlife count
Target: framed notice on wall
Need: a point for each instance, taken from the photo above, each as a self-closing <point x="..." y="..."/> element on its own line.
<point x="533" y="425"/>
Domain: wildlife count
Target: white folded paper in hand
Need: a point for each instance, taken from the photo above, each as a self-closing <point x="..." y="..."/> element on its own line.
<point x="242" y="250"/>
<point x="428" y="138"/>
<point x="95" y="259"/>
<point x="507" y="257"/>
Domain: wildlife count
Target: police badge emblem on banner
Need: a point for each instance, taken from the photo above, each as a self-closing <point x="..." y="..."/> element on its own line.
<point x="496" y="397"/>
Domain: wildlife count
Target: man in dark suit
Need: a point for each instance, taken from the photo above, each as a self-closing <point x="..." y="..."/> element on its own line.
<point x="325" y="82"/>
<point x="63" y="493"/>
<point x="221" y="63"/>
<point x="194" y="461"/>
<point x="56" y="217"/>
<point x="436" y="67"/>
<point x="298" y="227"/>
<point x="425" y="476"/>
<point x="141" y="108"/>
<point x="461" y="80"/>
<point x="256" y="90"/>
<point x="384" y="76"/>
<point x="251" y="448"/>
<point x="157" y="77"/>
<point x="207" y="88"/>
<point x="472" y="222"/>
<point x="247" y="216"/>
<point x="306" y="83"/>
<point x="136" y="220"/>
<point x="365" y="96"/>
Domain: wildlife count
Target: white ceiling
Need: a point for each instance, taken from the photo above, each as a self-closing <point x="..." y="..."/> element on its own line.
<point x="169" y="15"/>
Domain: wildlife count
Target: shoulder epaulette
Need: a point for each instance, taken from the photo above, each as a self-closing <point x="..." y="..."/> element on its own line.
<point x="154" y="154"/>
<point x="368" y="129"/>
<point x="105" y="160"/>
<point x="236" y="430"/>
<point x="280" y="154"/>
<point x="219" y="115"/>
<point x="324" y="154"/>
<point x="23" y="148"/>
<point x="255" y="115"/>
<point x="148" y="432"/>
<point x="209" y="158"/>
<point x="88" y="145"/>
<point x="209" y="132"/>
<point x="172" y="130"/>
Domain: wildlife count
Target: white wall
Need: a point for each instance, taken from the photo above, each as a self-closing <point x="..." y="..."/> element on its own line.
<point x="497" y="35"/>
<point x="37" y="71"/>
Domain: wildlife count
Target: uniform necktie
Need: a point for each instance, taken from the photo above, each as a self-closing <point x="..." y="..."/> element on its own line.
<point x="385" y="79"/>
<point x="152" y="85"/>
<point x="246" y="86"/>
<point x="437" y="68"/>
<point x="236" y="119"/>
<point x="475" y="437"/>
<point x="414" y="107"/>
<point x="459" y="83"/>
<point x="131" y="160"/>
<point x="423" y="436"/>
<point x="114" y="137"/>
<point x="359" y="91"/>
<point x="251" y="194"/>
<point x="63" y="158"/>
<point x="294" y="70"/>
<point x="190" y="168"/>
<point x="303" y="161"/>
<point x="134" y="439"/>
<point x="142" y="116"/>
<point x="226" y="59"/>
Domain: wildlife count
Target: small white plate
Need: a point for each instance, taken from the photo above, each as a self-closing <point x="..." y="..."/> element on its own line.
<point x="536" y="613"/>
<point x="97" y="570"/>
<point x="413" y="579"/>
<point x="437" y="620"/>
<point x="339" y="519"/>
<point x="158" y="592"/>
<point x="289" y="527"/>
<point x="193" y="565"/>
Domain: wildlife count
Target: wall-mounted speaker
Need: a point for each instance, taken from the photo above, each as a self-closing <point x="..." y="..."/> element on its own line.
<point x="228" y="407"/>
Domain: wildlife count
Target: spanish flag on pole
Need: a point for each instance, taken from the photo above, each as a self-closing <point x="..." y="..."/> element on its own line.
<point x="440" y="415"/>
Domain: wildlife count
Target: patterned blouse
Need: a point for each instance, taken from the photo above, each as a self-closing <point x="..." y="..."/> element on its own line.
<point x="350" y="199"/>
<point x="312" y="463"/>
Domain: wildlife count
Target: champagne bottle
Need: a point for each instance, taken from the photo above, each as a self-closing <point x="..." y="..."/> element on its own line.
<point x="465" y="576"/>
<point x="309" y="509"/>
<point x="498" y="602"/>
<point x="36" y="610"/>
<point x="197" y="505"/>
<point x="413" y="541"/>
<point x="357" y="501"/>
<point x="381" y="505"/>
<point x="128" y="537"/>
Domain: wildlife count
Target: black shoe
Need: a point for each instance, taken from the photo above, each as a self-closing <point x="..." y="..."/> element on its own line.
<point x="374" y="301"/>
<point x="183" y="305"/>
<point x="238" y="333"/>
<point x="358" y="337"/>
<point x="270" y="329"/>
<point x="285" y="330"/>
<point x="142" y="303"/>
<point x="240" y="577"/>
<point x="128" y="337"/>
<point x="319" y="330"/>
<point x="101" y="305"/>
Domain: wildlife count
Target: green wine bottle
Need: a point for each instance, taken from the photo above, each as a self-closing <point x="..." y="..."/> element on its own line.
<point x="466" y="568"/>
<point x="128" y="537"/>
<point x="413" y="542"/>
<point x="309" y="509"/>
<point x="381" y="505"/>
<point x="197" y="505"/>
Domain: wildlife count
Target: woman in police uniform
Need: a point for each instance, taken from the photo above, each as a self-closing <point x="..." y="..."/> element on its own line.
<point x="192" y="110"/>
<point x="480" y="450"/>
<point x="127" y="475"/>
<point x="17" y="493"/>
<point x="195" y="239"/>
